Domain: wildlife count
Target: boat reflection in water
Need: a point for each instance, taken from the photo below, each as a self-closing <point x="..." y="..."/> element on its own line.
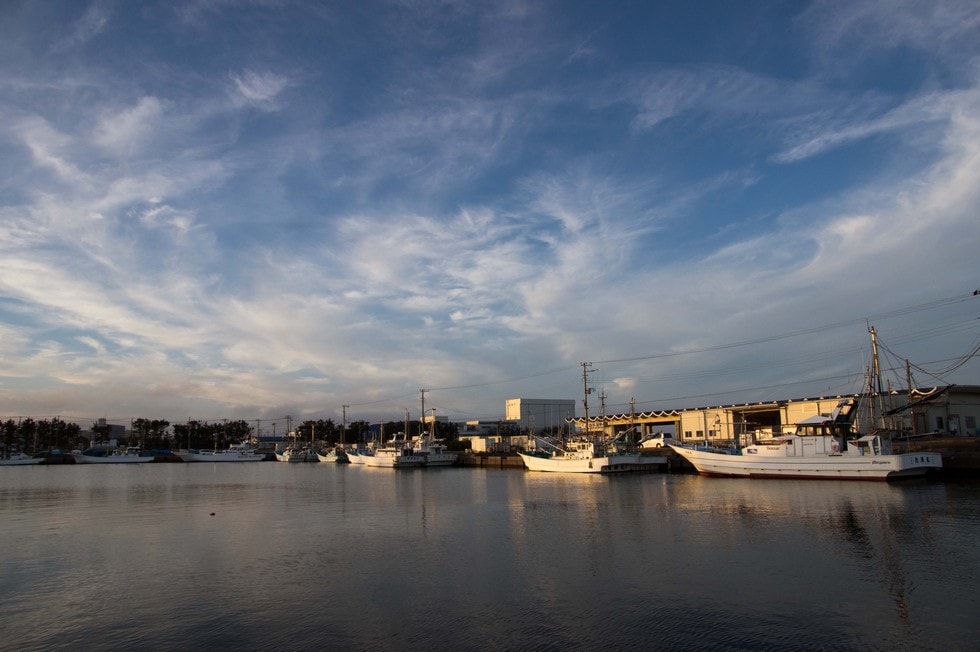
<point x="679" y="561"/>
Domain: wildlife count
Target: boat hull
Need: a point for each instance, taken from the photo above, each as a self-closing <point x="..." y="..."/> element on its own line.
<point x="294" y="456"/>
<point x="833" y="467"/>
<point x="609" y="464"/>
<point x="356" y="457"/>
<point x="391" y="460"/>
<point x="223" y="456"/>
<point x="439" y="459"/>
<point x="333" y="457"/>
<point x="111" y="459"/>
<point x="19" y="459"/>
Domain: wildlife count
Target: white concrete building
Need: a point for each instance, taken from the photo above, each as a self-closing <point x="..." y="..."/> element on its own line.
<point x="539" y="414"/>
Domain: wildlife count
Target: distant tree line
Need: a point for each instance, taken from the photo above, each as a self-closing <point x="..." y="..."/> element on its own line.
<point x="28" y="434"/>
<point x="326" y="433"/>
<point x="201" y="434"/>
<point x="47" y="434"/>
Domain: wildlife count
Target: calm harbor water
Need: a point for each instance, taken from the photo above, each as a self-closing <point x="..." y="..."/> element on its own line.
<point x="307" y="556"/>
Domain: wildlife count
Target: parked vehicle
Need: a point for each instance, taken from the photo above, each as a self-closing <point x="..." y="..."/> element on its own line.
<point x="657" y="440"/>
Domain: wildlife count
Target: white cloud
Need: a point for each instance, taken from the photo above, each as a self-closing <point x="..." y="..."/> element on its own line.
<point x="919" y="113"/>
<point x="260" y="88"/>
<point x="91" y="24"/>
<point x="125" y="131"/>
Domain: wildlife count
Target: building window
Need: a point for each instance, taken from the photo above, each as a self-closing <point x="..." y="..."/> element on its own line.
<point x="939" y="424"/>
<point x="687" y="434"/>
<point x="971" y="422"/>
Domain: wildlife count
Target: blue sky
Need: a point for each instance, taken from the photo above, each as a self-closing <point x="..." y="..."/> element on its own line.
<point x="215" y="209"/>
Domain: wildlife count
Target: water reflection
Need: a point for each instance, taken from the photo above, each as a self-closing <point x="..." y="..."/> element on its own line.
<point x="310" y="556"/>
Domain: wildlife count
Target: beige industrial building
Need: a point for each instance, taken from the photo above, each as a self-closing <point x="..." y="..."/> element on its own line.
<point x="953" y="410"/>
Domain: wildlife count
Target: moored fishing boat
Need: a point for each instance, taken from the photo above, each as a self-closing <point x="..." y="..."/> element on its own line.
<point x="823" y="446"/>
<point x="589" y="453"/>
<point x="432" y="451"/>
<point x="292" y="454"/>
<point x="336" y="455"/>
<point x="20" y="459"/>
<point x="393" y="458"/>
<point x="132" y="455"/>
<point x="589" y="456"/>
<point x="357" y="455"/>
<point x="234" y="453"/>
<point x="435" y="454"/>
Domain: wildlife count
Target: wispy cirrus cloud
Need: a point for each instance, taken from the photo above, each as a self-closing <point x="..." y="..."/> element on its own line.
<point x="318" y="227"/>
<point x="125" y="131"/>
<point x="259" y="89"/>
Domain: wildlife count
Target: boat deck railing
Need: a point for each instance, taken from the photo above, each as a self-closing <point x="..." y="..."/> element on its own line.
<point x="707" y="448"/>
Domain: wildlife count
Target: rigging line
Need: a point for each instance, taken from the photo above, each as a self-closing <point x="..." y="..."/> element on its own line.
<point x="381" y="400"/>
<point x="885" y="315"/>
<point x="763" y="364"/>
<point x="848" y="377"/>
<point x="959" y="362"/>
<point x="807" y="331"/>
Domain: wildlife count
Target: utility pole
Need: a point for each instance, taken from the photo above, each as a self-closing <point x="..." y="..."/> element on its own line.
<point x="586" y="391"/>
<point x="602" y="407"/>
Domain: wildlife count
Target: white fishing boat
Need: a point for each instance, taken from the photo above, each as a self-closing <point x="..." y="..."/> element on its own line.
<point x="339" y="453"/>
<point x="433" y="451"/>
<point x="435" y="454"/>
<point x="817" y="450"/>
<point x="823" y="446"/>
<point x="589" y="456"/>
<point x="589" y="453"/>
<point x="131" y="455"/>
<point x="395" y="454"/>
<point x="234" y="453"/>
<point x="20" y="459"/>
<point x="292" y="455"/>
<point x="357" y="455"/>
<point x="336" y="455"/>
<point x="392" y="457"/>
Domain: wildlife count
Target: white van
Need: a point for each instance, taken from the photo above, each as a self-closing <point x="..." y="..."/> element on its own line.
<point x="657" y="440"/>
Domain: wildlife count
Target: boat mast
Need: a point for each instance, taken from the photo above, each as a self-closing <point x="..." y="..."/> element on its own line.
<point x="908" y="384"/>
<point x="878" y="419"/>
<point x="343" y="429"/>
